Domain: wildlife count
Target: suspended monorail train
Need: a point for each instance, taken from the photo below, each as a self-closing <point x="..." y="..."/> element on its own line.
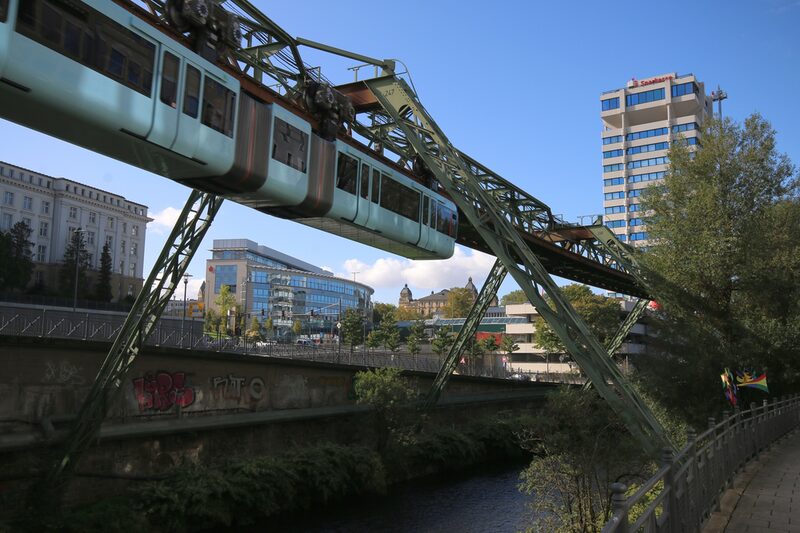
<point x="94" y="74"/>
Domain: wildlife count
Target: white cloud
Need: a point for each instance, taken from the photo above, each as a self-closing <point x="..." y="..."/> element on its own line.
<point x="164" y="220"/>
<point x="421" y="276"/>
<point x="191" y="288"/>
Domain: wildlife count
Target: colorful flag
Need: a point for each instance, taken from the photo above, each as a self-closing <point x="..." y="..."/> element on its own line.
<point x="729" y="387"/>
<point x="749" y="379"/>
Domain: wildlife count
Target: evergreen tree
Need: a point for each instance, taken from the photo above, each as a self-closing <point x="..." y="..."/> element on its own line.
<point x="352" y="328"/>
<point x="76" y="257"/>
<point x="442" y="340"/>
<point x="103" y="287"/>
<point x="16" y="260"/>
<point x="6" y="270"/>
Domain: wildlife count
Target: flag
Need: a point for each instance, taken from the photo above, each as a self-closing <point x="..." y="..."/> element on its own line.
<point x="748" y="379"/>
<point x="729" y="387"/>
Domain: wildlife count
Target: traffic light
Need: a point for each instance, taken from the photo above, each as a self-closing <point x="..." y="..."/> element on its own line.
<point x="262" y="311"/>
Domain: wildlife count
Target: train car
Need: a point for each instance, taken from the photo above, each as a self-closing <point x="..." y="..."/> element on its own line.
<point x="93" y="74"/>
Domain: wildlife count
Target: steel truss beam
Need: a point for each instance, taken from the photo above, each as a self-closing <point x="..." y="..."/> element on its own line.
<point x="167" y="273"/>
<point x="493" y="221"/>
<point x="467" y="331"/>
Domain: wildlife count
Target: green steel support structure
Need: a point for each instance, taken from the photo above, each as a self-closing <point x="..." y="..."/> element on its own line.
<point x="467" y="331"/>
<point x="635" y="314"/>
<point x="493" y="221"/>
<point x="167" y="273"/>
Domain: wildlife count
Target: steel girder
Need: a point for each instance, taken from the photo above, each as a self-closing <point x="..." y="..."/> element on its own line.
<point x="493" y="220"/>
<point x="167" y="273"/>
<point x="468" y="329"/>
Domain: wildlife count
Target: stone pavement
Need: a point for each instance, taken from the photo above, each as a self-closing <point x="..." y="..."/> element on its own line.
<point x="771" y="499"/>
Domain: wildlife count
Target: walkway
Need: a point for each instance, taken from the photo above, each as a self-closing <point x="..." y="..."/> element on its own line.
<point x="771" y="499"/>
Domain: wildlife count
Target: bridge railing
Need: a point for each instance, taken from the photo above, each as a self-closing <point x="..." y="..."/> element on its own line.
<point x="63" y="323"/>
<point x="687" y="488"/>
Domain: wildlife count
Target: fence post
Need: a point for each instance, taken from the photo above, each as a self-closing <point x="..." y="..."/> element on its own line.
<point x="86" y="327"/>
<point x="672" y="516"/>
<point x="692" y="487"/>
<point x="618" y="509"/>
<point x="44" y="319"/>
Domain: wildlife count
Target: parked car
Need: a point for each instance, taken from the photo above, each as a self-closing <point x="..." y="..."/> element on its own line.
<point x="304" y="342"/>
<point x="520" y="377"/>
<point x="265" y="343"/>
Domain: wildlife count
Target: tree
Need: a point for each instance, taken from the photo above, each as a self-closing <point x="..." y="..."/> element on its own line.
<point x="226" y="301"/>
<point x="380" y="310"/>
<point x="16" y="257"/>
<point x="269" y="325"/>
<point x="416" y="335"/>
<point x="254" y="331"/>
<point x="490" y="344"/>
<point x="442" y="340"/>
<point x="724" y="265"/>
<point x="386" y="391"/>
<point x="601" y="314"/>
<point x="353" y="328"/>
<point x="407" y="313"/>
<point x="373" y="340"/>
<point x="389" y="334"/>
<point x="75" y="253"/>
<point x="103" y="286"/>
<point x="508" y="345"/>
<point x="211" y="321"/>
<point x="514" y="297"/>
<point x="459" y="302"/>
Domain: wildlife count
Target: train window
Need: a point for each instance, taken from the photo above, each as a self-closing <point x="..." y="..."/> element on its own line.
<point x="346" y="173"/>
<point x="425" y="202"/>
<point x="376" y="186"/>
<point x="79" y="32"/>
<point x="3" y="10"/>
<point x="446" y="220"/>
<point x="219" y="105"/>
<point x="191" y="96"/>
<point x="364" y="181"/>
<point x="290" y="145"/>
<point x="169" y="79"/>
<point x="400" y="199"/>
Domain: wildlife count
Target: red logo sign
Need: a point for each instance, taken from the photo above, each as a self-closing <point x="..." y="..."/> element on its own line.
<point x="651" y="81"/>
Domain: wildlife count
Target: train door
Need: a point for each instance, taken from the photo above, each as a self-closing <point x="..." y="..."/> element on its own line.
<point x="189" y="114"/>
<point x="424" y="225"/>
<point x="346" y="198"/>
<point x="166" y="110"/>
<point x="363" y="197"/>
<point x="6" y="30"/>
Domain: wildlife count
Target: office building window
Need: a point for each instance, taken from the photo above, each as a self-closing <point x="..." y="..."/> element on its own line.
<point x="41" y="253"/>
<point x="92" y="217"/>
<point x="680" y="128"/>
<point x="635" y="222"/>
<point x="613" y="210"/>
<point x="109" y="241"/>
<point x="90" y="237"/>
<point x="132" y="271"/>
<point x="110" y="222"/>
<point x="644" y="97"/>
<point x="225" y="275"/>
<point x="613" y="168"/>
<point x="609" y="103"/>
<point x="612" y="140"/>
<point x="44" y="228"/>
<point x="135" y="248"/>
<point x="613" y="181"/>
<point x="612" y="153"/>
<point x="8" y="198"/>
<point x="647" y="148"/>
<point x="27" y="203"/>
<point x="635" y="193"/>
<point x="685" y="88"/>
<point x="639" y="236"/>
<point x="615" y="223"/>
<point x="122" y="247"/>
<point x="124" y="227"/>
<point x="636" y="178"/>
<point x="7" y="221"/>
<point x="634" y="207"/>
<point x="648" y="162"/>
<point x="615" y="195"/>
<point x="646" y="134"/>
<point x="45" y="208"/>
<point x="134" y="230"/>
<point x="73" y="212"/>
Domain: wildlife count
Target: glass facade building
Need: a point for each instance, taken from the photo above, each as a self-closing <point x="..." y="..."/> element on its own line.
<point x="268" y="284"/>
<point x="640" y="123"/>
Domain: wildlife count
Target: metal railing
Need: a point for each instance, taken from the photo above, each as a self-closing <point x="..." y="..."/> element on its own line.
<point x="693" y="481"/>
<point x="103" y="326"/>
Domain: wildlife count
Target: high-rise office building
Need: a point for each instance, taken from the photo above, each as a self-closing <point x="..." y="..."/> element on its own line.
<point x="640" y="121"/>
<point x="55" y="207"/>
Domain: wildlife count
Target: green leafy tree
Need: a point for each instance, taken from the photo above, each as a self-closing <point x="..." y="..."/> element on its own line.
<point x="407" y="313"/>
<point x="601" y="314"/>
<point x="254" y="331"/>
<point x="508" y="345"/>
<point x="380" y="310"/>
<point x="514" y="297"/>
<point x="225" y="301"/>
<point x="725" y="266"/>
<point x="442" y="340"/>
<point x="269" y="325"/>
<point x="211" y="321"/>
<point x="353" y="328"/>
<point x="459" y="302"/>
<point x="389" y="334"/>
<point x="388" y="393"/>
<point x="103" y="287"/>
<point x="373" y="340"/>
<point x="490" y="344"/>
<point x="416" y="335"/>
<point x="75" y="253"/>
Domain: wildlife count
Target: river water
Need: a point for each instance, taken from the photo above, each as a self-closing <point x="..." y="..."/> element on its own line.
<point x="483" y="502"/>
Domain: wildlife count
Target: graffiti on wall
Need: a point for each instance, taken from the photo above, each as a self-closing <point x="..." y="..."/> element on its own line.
<point x="161" y="390"/>
<point x="63" y="373"/>
<point x="231" y="386"/>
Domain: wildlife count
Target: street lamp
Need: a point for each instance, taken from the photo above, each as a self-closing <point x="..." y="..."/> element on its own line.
<point x="185" y="283"/>
<point x="76" y="241"/>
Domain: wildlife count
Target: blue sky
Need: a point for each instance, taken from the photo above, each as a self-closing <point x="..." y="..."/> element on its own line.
<point x="514" y="84"/>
